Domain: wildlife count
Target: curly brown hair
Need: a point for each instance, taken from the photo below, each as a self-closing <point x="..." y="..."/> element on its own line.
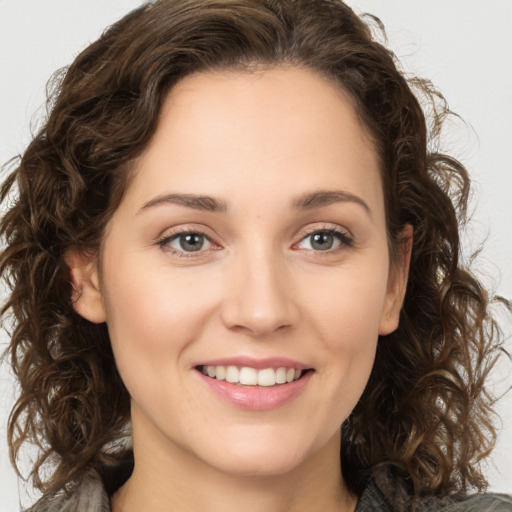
<point x="426" y="409"/>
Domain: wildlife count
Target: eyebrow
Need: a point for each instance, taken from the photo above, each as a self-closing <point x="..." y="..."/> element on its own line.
<point x="195" y="201"/>
<point x="321" y="198"/>
<point x="306" y="201"/>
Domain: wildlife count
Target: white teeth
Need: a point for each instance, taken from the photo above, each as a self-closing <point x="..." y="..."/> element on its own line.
<point x="247" y="376"/>
<point x="281" y="376"/>
<point x="232" y="374"/>
<point x="267" y="377"/>
<point x="221" y="372"/>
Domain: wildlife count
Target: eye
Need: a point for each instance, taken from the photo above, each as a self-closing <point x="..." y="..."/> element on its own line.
<point x="324" y="240"/>
<point x="186" y="242"/>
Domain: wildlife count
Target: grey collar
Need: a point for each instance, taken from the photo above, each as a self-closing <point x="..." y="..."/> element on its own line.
<point x="385" y="493"/>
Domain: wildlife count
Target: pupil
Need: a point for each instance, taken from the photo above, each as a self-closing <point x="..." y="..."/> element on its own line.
<point x="191" y="242"/>
<point x="322" y="241"/>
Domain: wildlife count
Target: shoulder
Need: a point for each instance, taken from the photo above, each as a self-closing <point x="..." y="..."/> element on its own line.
<point x="88" y="495"/>
<point x="480" y="503"/>
<point x="91" y="493"/>
<point x="387" y="491"/>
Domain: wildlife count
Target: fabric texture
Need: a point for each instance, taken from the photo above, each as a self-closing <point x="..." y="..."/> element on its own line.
<point x="89" y="496"/>
<point x="388" y="492"/>
<point x="385" y="493"/>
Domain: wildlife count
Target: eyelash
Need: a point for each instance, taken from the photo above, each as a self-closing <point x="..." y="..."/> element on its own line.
<point x="166" y="240"/>
<point x="342" y="236"/>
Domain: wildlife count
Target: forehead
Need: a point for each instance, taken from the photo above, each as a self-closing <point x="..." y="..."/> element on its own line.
<point x="286" y="128"/>
<point x="294" y="99"/>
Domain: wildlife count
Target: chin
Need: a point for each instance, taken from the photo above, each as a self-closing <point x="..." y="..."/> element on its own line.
<point x="259" y="466"/>
<point x="257" y="458"/>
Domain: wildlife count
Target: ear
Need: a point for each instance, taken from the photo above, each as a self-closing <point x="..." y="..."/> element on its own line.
<point x="86" y="294"/>
<point x="397" y="283"/>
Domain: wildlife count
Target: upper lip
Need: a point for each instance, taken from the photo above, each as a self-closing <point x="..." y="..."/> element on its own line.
<point x="258" y="364"/>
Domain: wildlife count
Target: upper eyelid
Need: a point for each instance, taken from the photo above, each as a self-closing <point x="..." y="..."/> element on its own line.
<point x="334" y="228"/>
<point x="316" y="229"/>
<point x="177" y="231"/>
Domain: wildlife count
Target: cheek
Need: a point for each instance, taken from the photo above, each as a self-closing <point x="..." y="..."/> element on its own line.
<point x="346" y="319"/>
<point x="347" y="309"/>
<point x="152" y="317"/>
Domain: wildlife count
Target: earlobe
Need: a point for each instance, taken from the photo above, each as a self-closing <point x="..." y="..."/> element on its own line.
<point x="86" y="295"/>
<point x="397" y="284"/>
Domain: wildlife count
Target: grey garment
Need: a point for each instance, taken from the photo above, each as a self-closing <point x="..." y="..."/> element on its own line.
<point x="88" y="496"/>
<point x="382" y="495"/>
<point x="387" y="492"/>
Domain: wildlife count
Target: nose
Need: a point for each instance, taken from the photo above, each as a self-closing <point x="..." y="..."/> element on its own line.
<point x="259" y="296"/>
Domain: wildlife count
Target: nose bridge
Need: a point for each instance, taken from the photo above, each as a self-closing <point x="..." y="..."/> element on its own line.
<point x="258" y="296"/>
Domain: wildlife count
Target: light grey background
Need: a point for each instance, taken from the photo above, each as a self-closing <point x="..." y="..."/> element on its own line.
<point x="465" y="47"/>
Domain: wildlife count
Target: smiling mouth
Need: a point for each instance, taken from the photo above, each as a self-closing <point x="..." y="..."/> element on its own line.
<point x="247" y="376"/>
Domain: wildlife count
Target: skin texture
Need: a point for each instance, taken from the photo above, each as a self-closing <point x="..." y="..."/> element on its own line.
<point x="258" y="143"/>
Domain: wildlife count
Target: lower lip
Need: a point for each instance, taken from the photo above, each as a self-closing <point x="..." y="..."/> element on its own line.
<point x="257" y="398"/>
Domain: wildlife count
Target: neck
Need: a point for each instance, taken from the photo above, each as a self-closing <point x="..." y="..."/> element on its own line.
<point x="177" y="480"/>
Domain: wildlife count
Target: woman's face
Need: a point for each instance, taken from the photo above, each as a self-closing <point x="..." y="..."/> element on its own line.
<point x="250" y="245"/>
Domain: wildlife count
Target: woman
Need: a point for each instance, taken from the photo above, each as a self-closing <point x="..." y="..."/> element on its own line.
<point x="230" y="235"/>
